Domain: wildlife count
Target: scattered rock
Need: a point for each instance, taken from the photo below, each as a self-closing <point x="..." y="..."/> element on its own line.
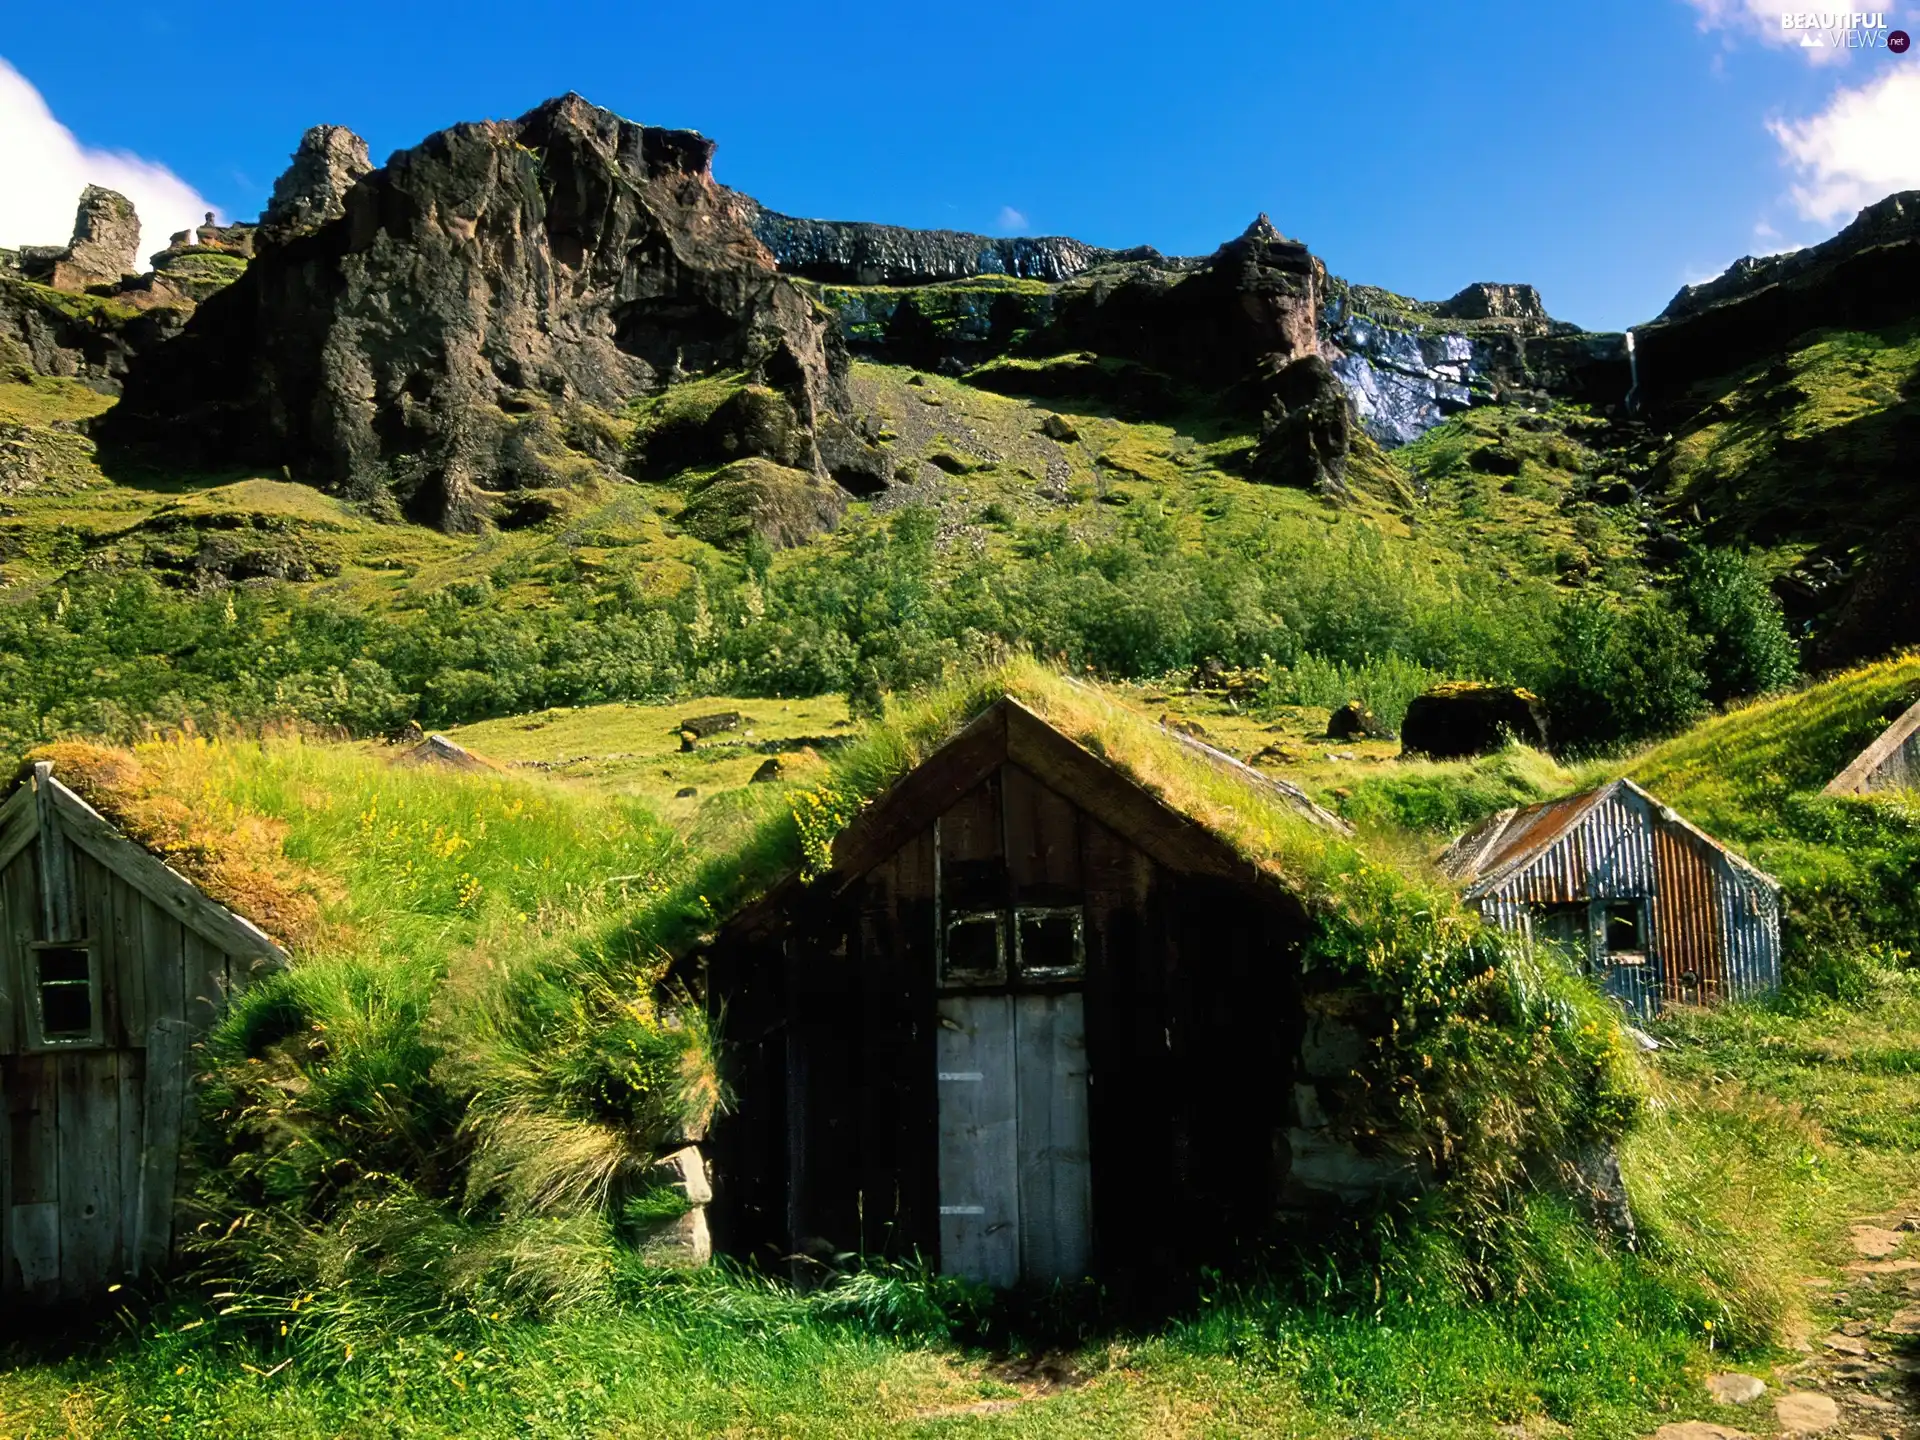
<point x="770" y="769"/>
<point x="1883" y="1267"/>
<point x="1733" y="1388"/>
<point x="1353" y="721"/>
<point x="685" y="792"/>
<point x="1846" y="1345"/>
<point x="1338" y="755"/>
<point x="1181" y="726"/>
<point x="1274" y="754"/>
<point x="1058" y="427"/>
<point x="1698" y="1430"/>
<point x="1806" y="1412"/>
<point x="1875" y="1243"/>
<point x="1904" y="1322"/>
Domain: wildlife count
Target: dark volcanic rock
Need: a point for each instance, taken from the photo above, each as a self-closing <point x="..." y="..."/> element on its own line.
<point x="313" y="191"/>
<point x="851" y="252"/>
<point x="1866" y="277"/>
<point x="1251" y="308"/>
<point x="1354" y="721"/>
<point x="76" y="337"/>
<point x="1306" y="430"/>
<point x="1452" y="721"/>
<point x="570" y="255"/>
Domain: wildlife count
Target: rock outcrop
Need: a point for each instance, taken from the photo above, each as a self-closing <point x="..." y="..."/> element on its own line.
<point x="104" y="247"/>
<point x="1462" y="718"/>
<point x="1863" y="278"/>
<point x="1407" y="365"/>
<point x="497" y="274"/>
<point x="313" y="190"/>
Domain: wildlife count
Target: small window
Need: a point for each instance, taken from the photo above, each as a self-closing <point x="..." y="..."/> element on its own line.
<point x="975" y="952"/>
<point x="1050" y="944"/>
<point x="69" y="1004"/>
<point x="1623" y="929"/>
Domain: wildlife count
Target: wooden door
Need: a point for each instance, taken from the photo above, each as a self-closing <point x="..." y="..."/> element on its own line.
<point x="1015" y="1180"/>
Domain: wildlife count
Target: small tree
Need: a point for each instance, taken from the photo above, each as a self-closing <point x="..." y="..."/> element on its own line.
<point x="1730" y="607"/>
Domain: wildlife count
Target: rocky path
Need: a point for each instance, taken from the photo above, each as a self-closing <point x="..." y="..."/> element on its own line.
<point x="1859" y="1372"/>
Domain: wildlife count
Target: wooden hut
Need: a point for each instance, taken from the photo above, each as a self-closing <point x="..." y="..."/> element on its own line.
<point x="111" y="964"/>
<point x="1891" y="762"/>
<point x="1033" y="1023"/>
<point x="1662" y="912"/>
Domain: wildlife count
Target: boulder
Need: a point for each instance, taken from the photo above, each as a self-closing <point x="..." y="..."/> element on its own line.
<point x="1058" y="427"/>
<point x="386" y="352"/>
<point x="1459" y="719"/>
<point x="1354" y="721"/>
<point x="784" y="507"/>
<point x="1734" y="1388"/>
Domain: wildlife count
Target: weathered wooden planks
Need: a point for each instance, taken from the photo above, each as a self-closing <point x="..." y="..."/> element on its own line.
<point x="1055" y="1171"/>
<point x="163" y="1102"/>
<point x="979" y="1139"/>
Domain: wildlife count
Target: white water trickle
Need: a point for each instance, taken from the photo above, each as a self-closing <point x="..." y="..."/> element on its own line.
<point x="1633" y="376"/>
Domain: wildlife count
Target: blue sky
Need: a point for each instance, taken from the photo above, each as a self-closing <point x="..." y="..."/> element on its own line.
<point x="1606" y="153"/>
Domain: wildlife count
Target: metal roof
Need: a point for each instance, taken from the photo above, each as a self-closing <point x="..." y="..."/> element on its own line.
<point x="1486" y="856"/>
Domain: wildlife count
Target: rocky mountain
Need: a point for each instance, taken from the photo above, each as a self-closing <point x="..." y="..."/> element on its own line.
<point x="513" y="312"/>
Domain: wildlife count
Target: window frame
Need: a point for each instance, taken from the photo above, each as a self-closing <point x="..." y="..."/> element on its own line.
<point x="37" y="1037"/>
<point x="974" y="979"/>
<point x="1050" y="974"/>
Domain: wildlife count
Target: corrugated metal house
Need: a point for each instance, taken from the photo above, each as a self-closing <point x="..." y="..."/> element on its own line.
<point x="1033" y="1024"/>
<point x="1891" y="762"/>
<point x="1664" y="913"/>
<point x="111" y="965"/>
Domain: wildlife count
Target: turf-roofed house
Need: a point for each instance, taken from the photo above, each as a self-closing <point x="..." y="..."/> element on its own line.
<point x="1069" y="996"/>
<point x="1891" y="762"/>
<point x="1662" y="912"/>
<point x="111" y="966"/>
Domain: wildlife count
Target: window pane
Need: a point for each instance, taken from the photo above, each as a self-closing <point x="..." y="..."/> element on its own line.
<point x="975" y="949"/>
<point x="66" y="1011"/>
<point x="1623" y="928"/>
<point x="67" y="962"/>
<point x="1050" y="944"/>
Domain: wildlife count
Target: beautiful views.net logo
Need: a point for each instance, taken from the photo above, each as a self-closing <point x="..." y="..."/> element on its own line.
<point x="1844" y="30"/>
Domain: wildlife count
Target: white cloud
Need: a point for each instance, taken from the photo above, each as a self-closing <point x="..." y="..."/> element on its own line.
<point x="1857" y="150"/>
<point x="43" y="169"/>
<point x="1761" y="20"/>
<point x="1010" y="221"/>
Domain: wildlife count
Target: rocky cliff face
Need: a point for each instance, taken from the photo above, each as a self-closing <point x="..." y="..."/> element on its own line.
<point x="427" y="346"/>
<point x="1863" y="278"/>
<point x="105" y="245"/>
<point x="1408" y="365"/>
<point x="313" y="189"/>
<point x="844" y="252"/>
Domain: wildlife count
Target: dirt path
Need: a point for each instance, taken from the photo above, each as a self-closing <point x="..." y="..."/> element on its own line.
<point x="1860" y="1372"/>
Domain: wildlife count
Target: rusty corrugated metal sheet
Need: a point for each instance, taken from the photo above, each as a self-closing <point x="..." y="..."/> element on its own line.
<point x="1711" y="922"/>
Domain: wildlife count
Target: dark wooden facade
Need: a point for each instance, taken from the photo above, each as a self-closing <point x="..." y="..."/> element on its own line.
<point x="1145" y="984"/>
<point x="111" y="965"/>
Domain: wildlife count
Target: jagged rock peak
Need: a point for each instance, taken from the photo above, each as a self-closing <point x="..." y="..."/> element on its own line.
<point x="313" y="190"/>
<point x="1488" y="300"/>
<point x="1262" y="228"/>
<point x="648" y="152"/>
<point x="105" y="244"/>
